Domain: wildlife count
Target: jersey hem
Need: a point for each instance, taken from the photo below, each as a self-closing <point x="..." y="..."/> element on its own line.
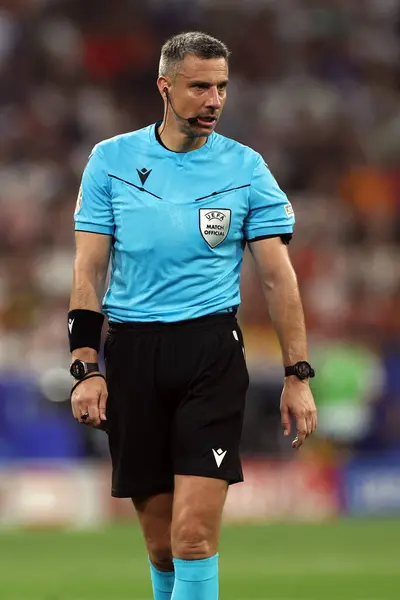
<point x="119" y="320"/>
<point x="286" y="237"/>
<point x="93" y="228"/>
<point x="271" y="233"/>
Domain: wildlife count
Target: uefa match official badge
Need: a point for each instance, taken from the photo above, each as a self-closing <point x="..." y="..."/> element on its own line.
<point x="214" y="225"/>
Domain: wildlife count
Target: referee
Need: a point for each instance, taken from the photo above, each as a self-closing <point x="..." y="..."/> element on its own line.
<point x="171" y="207"/>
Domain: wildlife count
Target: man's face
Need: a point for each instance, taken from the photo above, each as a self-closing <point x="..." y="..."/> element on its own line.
<point x="199" y="90"/>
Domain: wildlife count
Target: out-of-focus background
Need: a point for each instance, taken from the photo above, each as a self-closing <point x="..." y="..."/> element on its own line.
<point x="315" y="87"/>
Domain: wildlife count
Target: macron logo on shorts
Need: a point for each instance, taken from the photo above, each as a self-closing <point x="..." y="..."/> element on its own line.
<point x="70" y="324"/>
<point x="219" y="456"/>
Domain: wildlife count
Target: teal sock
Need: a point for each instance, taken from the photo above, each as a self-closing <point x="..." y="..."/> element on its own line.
<point x="163" y="583"/>
<point x="196" y="579"/>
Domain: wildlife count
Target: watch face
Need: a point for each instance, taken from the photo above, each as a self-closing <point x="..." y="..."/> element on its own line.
<point x="303" y="369"/>
<point x="77" y="369"/>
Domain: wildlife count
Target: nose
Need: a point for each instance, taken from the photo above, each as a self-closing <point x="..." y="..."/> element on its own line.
<point x="213" y="98"/>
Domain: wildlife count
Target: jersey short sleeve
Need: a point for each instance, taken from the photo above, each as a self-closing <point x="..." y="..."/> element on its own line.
<point x="93" y="208"/>
<point x="270" y="212"/>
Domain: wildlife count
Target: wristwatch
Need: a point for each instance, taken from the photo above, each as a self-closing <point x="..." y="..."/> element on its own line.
<point x="302" y="370"/>
<point x="80" y="369"/>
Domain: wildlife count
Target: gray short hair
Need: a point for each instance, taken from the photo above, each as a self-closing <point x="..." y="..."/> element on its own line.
<point x="195" y="43"/>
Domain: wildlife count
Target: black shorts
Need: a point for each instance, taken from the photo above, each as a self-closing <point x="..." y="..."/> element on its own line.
<point x="176" y="402"/>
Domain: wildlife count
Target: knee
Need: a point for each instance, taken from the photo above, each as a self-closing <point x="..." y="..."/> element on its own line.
<point x="192" y="542"/>
<point x="160" y="554"/>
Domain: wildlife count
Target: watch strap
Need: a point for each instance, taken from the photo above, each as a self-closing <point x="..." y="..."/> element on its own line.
<point x="291" y="370"/>
<point x="298" y="370"/>
<point x="91" y="366"/>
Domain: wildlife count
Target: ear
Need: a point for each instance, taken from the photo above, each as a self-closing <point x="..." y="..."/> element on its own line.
<point x="163" y="84"/>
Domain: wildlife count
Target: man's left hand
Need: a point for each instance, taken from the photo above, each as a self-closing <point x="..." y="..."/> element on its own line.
<point x="297" y="401"/>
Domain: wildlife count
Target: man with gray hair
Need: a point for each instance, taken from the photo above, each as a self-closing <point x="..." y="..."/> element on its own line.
<point x="174" y="205"/>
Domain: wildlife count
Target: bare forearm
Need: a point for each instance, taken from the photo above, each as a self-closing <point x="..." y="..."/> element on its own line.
<point x="87" y="290"/>
<point x="286" y="312"/>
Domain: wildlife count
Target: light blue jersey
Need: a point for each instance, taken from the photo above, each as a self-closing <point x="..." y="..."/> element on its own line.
<point x="179" y="221"/>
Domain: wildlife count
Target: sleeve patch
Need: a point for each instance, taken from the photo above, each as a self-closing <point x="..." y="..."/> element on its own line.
<point x="79" y="200"/>
<point x="289" y="209"/>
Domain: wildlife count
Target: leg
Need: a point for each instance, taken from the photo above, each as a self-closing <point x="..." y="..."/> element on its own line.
<point x="139" y="424"/>
<point x="206" y="438"/>
<point x="197" y="513"/>
<point x="196" y="523"/>
<point x="155" y="515"/>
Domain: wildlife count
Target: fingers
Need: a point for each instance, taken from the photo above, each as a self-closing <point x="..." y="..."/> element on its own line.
<point x="313" y="421"/>
<point x="80" y="409"/>
<point x="88" y="403"/>
<point x="309" y="423"/>
<point x="84" y="417"/>
<point x="90" y="415"/>
<point x="76" y="411"/>
<point x="297" y="402"/>
<point x="306" y="425"/>
<point x="102" y="406"/>
<point x="81" y="414"/>
<point x="302" y="432"/>
<point x="285" y="419"/>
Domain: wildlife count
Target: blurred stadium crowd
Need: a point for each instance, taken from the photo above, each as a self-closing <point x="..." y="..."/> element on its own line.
<point x="315" y="87"/>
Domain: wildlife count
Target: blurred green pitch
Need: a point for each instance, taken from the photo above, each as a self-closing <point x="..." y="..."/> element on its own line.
<point x="344" y="560"/>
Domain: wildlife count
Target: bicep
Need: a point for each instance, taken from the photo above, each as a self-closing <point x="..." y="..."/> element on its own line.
<point x="92" y="252"/>
<point x="272" y="259"/>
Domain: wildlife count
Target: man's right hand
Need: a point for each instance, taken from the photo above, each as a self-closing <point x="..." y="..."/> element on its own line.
<point x="90" y="397"/>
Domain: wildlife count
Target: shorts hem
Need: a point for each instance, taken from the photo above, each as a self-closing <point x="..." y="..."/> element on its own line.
<point x="231" y="478"/>
<point x="141" y="492"/>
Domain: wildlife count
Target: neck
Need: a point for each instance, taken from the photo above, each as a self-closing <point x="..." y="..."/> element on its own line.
<point x="179" y="141"/>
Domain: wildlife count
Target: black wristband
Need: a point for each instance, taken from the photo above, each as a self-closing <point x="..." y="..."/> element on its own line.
<point x="84" y="329"/>
<point x="84" y="379"/>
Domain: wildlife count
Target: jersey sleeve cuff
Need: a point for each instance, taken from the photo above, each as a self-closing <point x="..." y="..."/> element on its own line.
<point x="265" y="232"/>
<point x="94" y="228"/>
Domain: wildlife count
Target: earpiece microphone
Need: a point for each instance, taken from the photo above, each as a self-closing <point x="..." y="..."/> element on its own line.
<point x="190" y="120"/>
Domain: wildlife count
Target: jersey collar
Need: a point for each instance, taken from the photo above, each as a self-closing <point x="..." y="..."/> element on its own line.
<point x="155" y="135"/>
